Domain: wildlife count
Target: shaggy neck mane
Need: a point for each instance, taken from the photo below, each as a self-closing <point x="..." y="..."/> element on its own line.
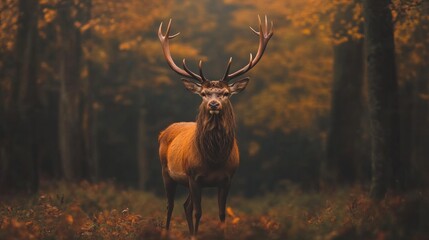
<point x="215" y="134"/>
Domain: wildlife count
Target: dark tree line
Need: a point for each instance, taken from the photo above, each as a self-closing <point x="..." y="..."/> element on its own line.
<point x="383" y="98"/>
<point x="25" y="123"/>
<point x="81" y="106"/>
<point x="344" y="151"/>
<point x="19" y="158"/>
<point x="390" y="167"/>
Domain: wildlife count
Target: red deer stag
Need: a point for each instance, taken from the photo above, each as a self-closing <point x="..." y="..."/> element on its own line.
<point x="204" y="153"/>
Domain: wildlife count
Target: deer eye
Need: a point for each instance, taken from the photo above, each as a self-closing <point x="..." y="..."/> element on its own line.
<point x="226" y="94"/>
<point x="203" y="94"/>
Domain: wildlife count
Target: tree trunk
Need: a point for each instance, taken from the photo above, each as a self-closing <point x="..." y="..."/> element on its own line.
<point x="383" y="96"/>
<point x="20" y="154"/>
<point x="70" y="117"/>
<point x="345" y="130"/>
<point x="89" y="113"/>
<point x="90" y="123"/>
<point x="420" y="111"/>
<point x="142" y="145"/>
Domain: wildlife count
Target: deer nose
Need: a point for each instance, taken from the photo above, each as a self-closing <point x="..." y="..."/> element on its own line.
<point x="214" y="105"/>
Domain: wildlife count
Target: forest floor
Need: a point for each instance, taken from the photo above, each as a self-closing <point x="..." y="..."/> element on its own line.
<point x="105" y="211"/>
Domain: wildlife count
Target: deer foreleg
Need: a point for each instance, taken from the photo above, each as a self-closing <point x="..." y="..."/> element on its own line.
<point x="222" y="195"/>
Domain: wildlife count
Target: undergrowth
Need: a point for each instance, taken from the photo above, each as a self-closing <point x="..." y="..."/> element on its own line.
<point x="105" y="211"/>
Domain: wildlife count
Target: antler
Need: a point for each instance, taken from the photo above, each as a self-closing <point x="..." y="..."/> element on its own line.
<point x="264" y="37"/>
<point x="186" y="72"/>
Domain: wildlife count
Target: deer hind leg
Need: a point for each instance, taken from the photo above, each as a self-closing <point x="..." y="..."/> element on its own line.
<point x="170" y="189"/>
<point x="189" y="208"/>
<point x="195" y="189"/>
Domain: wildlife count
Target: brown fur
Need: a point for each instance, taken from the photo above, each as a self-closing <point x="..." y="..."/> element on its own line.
<point x="189" y="148"/>
<point x="215" y="135"/>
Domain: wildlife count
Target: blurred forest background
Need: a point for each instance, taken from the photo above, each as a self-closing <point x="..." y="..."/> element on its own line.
<point x="336" y="114"/>
<point x="85" y="90"/>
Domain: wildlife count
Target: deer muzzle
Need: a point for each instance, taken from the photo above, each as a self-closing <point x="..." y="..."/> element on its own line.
<point x="214" y="107"/>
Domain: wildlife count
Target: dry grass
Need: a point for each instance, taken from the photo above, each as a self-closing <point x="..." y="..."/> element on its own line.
<point x="104" y="211"/>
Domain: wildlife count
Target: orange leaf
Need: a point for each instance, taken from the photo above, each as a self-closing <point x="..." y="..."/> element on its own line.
<point x="230" y="212"/>
<point x="69" y="219"/>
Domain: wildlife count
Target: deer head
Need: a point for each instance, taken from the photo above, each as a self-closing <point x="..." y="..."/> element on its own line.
<point x="216" y="93"/>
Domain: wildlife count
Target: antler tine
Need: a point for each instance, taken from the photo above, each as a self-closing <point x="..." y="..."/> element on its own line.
<point x="261" y="38"/>
<point x="264" y="38"/>
<point x="164" y="39"/>
<point x="256" y="32"/>
<point x="260" y="29"/>
<point x="175" y="35"/>
<point x="250" y="65"/>
<point x="266" y="23"/>
<point x="194" y="75"/>
<point x="167" y="32"/>
<point x="225" y="76"/>
<point x="160" y="31"/>
<point x="200" y="67"/>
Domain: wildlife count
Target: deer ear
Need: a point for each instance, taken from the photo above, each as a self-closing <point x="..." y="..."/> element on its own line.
<point x="239" y="85"/>
<point x="192" y="86"/>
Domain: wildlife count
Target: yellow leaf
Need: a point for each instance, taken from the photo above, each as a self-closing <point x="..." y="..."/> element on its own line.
<point x="306" y="31"/>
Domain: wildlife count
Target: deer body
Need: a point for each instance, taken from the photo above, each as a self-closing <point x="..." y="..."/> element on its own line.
<point x="204" y="153"/>
<point x="181" y="158"/>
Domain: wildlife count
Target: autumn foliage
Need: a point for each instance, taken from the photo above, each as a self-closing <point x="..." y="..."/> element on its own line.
<point x="103" y="211"/>
<point x="103" y="59"/>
